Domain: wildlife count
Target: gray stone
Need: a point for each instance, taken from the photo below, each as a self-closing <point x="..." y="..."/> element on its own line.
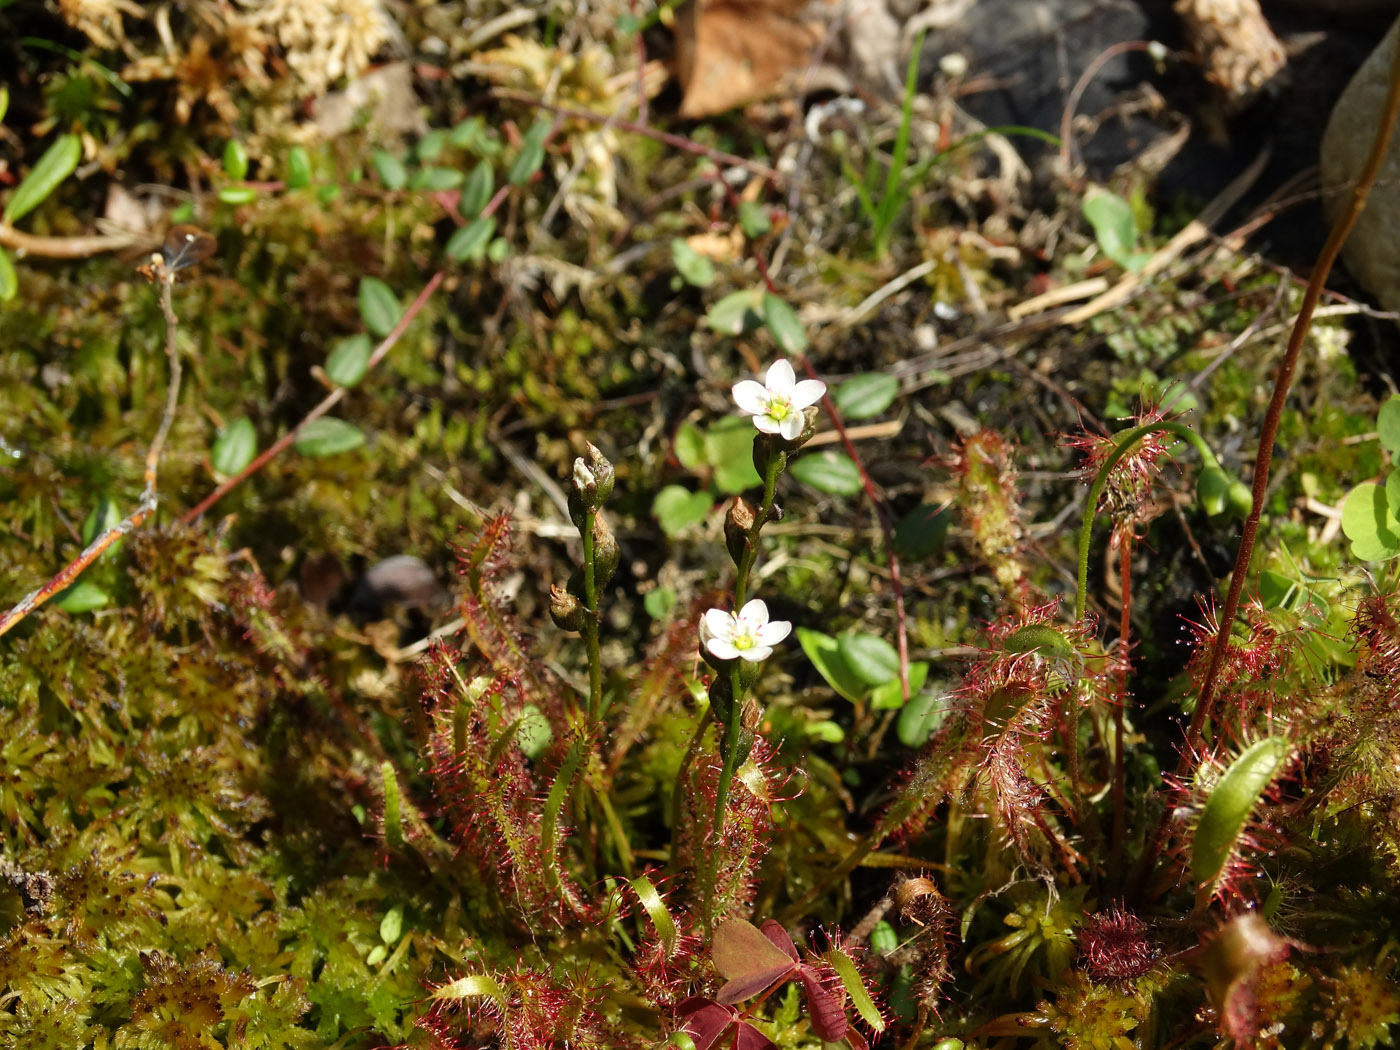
<point x="1372" y="252"/>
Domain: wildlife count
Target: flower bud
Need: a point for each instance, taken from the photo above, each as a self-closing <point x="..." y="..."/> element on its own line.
<point x="766" y="449"/>
<point x="721" y="696"/>
<point x="567" y="611"/>
<point x="737" y="524"/>
<point x="584" y="479"/>
<point x="602" y="470"/>
<point x="605" y="551"/>
<point x="742" y="746"/>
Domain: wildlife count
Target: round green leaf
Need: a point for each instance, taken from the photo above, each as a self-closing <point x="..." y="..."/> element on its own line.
<point x="235" y="160"/>
<point x="659" y="602"/>
<point x="376" y="955"/>
<point x="828" y="471"/>
<point x="234" y="448"/>
<point x="390" y="169"/>
<point x="921" y="533"/>
<point x="379" y="307"/>
<point x="677" y="508"/>
<point x="298" y="168"/>
<point x="1367" y="520"/>
<point x="57" y="163"/>
<point x="690" y="446"/>
<point x="737" y="313"/>
<point x="918" y="719"/>
<point x="471" y="241"/>
<point x="328" y="436"/>
<point x="498" y="251"/>
<point x="534" y="734"/>
<point x="866" y="396"/>
<point x="81" y="597"/>
<point x="691" y="265"/>
<point x="782" y="321"/>
<point x="872" y="659"/>
<point x="431" y="145"/>
<point x="9" y="281"/>
<point x="391" y="926"/>
<point x="1115" y="227"/>
<point x="825" y="653"/>
<point x="728" y="449"/>
<point x="753" y="219"/>
<point x="349" y="359"/>
<point x="890" y="695"/>
<point x="1388" y="425"/>
<point x="477" y="190"/>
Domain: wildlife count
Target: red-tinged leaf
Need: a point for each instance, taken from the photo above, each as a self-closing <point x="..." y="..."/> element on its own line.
<point x="773" y="930"/>
<point x="706" y="1020"/>
<point x="741" y="988"/>
<point x="828" y="1011"/>
<point x="856" y="1041"/>
<point x="741" y="949"/>
<point x="750" y="1038"/>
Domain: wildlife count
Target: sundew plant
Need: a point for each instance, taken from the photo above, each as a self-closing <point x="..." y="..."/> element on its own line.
<point x="504" y="576"/>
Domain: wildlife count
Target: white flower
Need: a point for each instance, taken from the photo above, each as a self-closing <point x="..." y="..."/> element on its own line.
<point x="776" y="404"/>
<point x="745" y="635"/>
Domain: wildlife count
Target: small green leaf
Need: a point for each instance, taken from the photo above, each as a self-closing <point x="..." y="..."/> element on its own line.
<point x="690" y="446"/>
<point x="918" y="719"/>
<point x="499" y="249"/>
<point x="379" y="307"/>
<point x="890" y="697"/>
<point x="58" y="162"/>
<point x="1115" y="228"/>
<point x="828" y="471"/>
<point x="677" y="508"/>
<point x="328" y="436"/>
<point x="659" y="602"/>
<point x="237" y="195"/>
<point x="376" y="955"/>
<point x="4" y="100"/>
<point x="871" y="659"/>
<point x="391" y="926"/>
<point x="298" y="168"/>
<point x="466" y="134"/>
<point x="534" y="733"/>
<point x="782" y="321"/>
<point x="921" y="533"/>
<point x="737" y="313"/>
<point x="655" y="907"/>
<point x="103" y="516"/>
<point x="531" y="156"/>
<point x="729" y="450"/>
<point x="1388" y="425"/>
<point x="390" y="169"/>
<point x="234" y="448"/>
<point x="691" y="265"/>
<point x="472" y="987"/>
<point x="753" y="219"/>
<point x="9" y="280"/>
<point x="477" y="190"/>
<point x="866" y="395"/>
<point x="854" y="984"/>
<point x="1370" y="523"/>
<point x="81" y="597"/>
<point x="1231" y="802"/>
<point x="1213" y="491"/>
<point x="393" y="820"/>
<point x="471" y="241"/>
<point x="435" y="179"/>
<point x="431" y="145"/>
<point x="349" y="359"/>
<point x="235" y="160"/>
<point x="825" y="653"/>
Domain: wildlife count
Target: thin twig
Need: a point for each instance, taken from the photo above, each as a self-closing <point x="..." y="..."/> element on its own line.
<point x="327" y="403"/>
<point x="147" y="505"/>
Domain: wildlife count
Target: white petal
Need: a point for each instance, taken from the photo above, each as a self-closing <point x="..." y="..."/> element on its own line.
<point x="754" y="612"/>
<point x="751" y="397"/>
<point x="780" y="378"/>
<point x="791" y="428"/>
<point x="724" y="650"/>
<point x="754" y="655"/>
<point x="807" y="392"/>
<point x="719" y="623"/>
<point x="768" y="424"/>
<point x="773" y="633"/>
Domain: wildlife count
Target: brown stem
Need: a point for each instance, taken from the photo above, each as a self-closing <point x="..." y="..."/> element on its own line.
<point x="65" y="247"/>
<point x="1340" y="230"/>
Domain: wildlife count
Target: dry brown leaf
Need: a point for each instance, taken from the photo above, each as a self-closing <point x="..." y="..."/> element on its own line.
<point x="729" y="52"/>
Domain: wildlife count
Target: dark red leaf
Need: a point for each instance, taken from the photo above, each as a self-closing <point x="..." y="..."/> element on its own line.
<point x="828" y="1011"/>
<point x="749" y="985"/>
<point x="706" y="1020"/>
<point x="773" y="930"/>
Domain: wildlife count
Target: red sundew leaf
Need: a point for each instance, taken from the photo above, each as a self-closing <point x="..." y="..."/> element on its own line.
<point x="828" y="1012"/>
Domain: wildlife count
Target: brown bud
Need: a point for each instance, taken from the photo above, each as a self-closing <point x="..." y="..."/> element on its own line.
<point x="737" y="523"/>
<point x="567" y="611"/>
<point x="918" y="901"/>
<point x="602" y="470"/>
<point x="605" y="551"/>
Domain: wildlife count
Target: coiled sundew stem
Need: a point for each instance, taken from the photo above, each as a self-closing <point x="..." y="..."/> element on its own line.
<point x="730" y="746"/>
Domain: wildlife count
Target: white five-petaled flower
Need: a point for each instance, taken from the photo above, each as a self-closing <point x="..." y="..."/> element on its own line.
<point x="745" y="635"/>
<point x="777" y="403"/>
